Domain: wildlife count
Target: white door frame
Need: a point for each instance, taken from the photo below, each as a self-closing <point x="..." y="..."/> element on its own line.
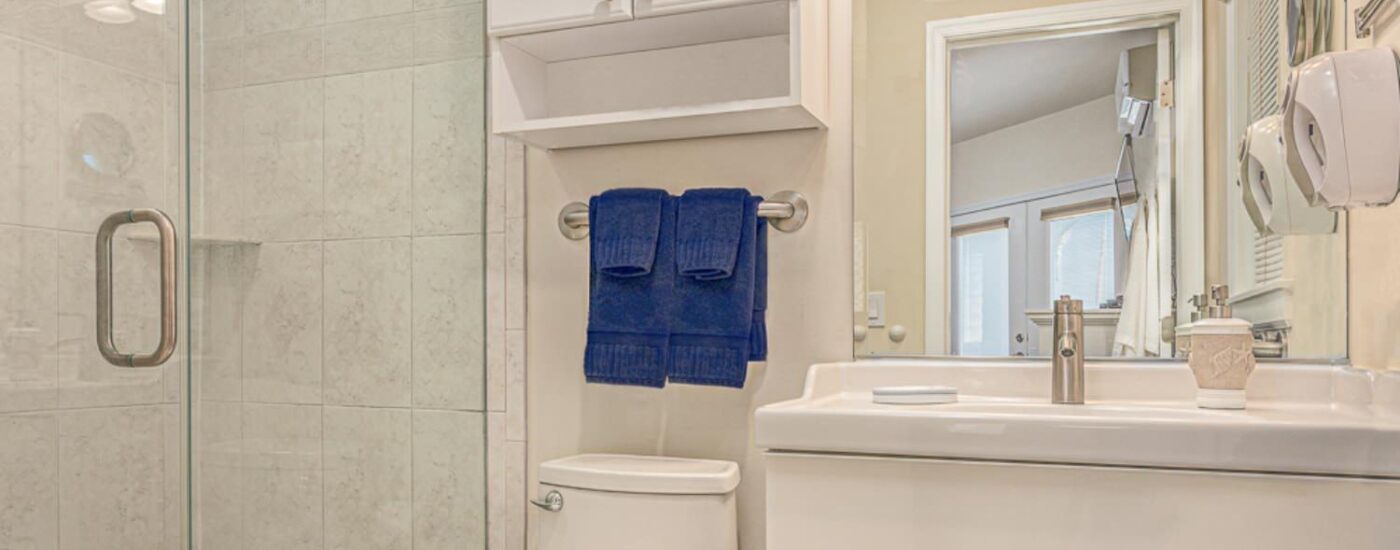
<point x="944" y="35"/>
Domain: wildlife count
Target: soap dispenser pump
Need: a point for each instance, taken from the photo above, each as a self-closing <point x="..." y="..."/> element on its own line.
<point x="1222" y="354"/>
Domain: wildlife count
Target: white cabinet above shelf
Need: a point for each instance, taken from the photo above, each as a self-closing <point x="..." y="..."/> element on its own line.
<point x="681" y="69"/>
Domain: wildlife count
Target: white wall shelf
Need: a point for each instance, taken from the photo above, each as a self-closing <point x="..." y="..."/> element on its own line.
<point x="681" y="69"/>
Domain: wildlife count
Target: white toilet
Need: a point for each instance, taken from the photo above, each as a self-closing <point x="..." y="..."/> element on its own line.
<point x="621" y="502"/>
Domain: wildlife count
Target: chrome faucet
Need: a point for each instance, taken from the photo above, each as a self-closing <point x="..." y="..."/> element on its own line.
<point x="1067" y="363"/>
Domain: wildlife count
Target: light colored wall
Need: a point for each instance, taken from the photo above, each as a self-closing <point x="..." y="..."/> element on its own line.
<point x="341" y="393"/>
<point x="1374" y="256"/>
<point x="890" y="146"/>
<point x="1058" y="149"/>
<point x="809" y="293"/>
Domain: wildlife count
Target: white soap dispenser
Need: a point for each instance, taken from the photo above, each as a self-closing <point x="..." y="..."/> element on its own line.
<point x="1222" y="354"/>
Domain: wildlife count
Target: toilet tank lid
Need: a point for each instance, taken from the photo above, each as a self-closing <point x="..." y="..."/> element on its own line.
<point x="642" y="474"/>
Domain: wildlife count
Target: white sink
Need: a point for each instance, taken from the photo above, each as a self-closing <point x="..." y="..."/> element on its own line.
<point x="1301" y="419"/>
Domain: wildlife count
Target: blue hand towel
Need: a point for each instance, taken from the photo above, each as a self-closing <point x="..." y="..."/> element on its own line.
<point x="716" y="247"/>
<point x="758" y="335"/>
<point x="632" y="261"/>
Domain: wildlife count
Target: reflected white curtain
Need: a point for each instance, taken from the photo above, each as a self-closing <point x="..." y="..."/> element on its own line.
<point x="1139" y="333"/>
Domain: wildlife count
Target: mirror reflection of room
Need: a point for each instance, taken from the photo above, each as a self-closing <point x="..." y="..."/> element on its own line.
<point x="1055" y="192"/>
<point x="1086" y="161"/>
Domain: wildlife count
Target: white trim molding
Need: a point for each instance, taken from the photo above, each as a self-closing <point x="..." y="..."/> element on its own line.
<point x="947" y="34"/>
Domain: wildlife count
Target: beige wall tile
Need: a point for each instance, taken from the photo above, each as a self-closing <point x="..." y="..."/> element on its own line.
<point x="111" y="478"/>
<point x="282" y="477"/>
<point x="449" y="480"/>
<point x="221" y="64"/>
<point x="264" y="16"/>
<point x="515" y="385"/>
<point x="218" y="468"/>
<point x="448" y="148"/>
<point x="448" y="323"/>
<point x="85" y="378"/>
<point x="29" y="481"/>
<point x="348" y="10"/>
<point x="98" y="100"/>
<point x="369" y="154"/>
<point x="517" y="496"/>
<point x="29" y="84"/>
<point x="369" y="44"/>
<point x="283" y="144"/>
<point x="218" y="277"/>
<point x="282" y="344"/>
<point x="369" y="486"/>
<point x="496" y="321"/>
<point x="449" y="33"/>
<point x="495" y="184"/>
<point x="223" y="18"/>
<point x="497" y="510"/>
<point x="368" y="322"/>
<point x="28" y="319"/>
<point x="515" y="274"/>
<point x="283" y="56"/>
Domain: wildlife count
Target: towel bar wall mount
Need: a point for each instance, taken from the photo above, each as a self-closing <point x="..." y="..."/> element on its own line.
<point x="1366" y="17"/>
<point x="786" y="211"/>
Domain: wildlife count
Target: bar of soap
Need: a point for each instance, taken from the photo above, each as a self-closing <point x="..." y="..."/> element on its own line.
<point x="915" y="395"/>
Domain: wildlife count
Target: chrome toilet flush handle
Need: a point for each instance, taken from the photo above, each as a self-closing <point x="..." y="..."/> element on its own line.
<point x="553" y="502"/>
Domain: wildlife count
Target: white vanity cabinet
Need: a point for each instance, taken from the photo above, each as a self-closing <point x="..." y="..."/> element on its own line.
<point x="1312" y="463"/>
<point x="678" y="69"/>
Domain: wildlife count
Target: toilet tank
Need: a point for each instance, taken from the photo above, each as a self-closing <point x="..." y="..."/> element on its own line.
<point x="620" y="502"/>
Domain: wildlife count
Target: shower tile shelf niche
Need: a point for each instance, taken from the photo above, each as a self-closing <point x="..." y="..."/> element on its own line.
<point x="737" y="68"/>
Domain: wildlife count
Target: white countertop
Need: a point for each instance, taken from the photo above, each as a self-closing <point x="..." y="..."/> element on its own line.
<point x="1303" y="419"/>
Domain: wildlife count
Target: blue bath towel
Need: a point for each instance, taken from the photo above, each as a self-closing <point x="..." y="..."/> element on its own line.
<point x="716" y="249"/>
<point x="758" y="335"/>
<point x="632" y="261"/>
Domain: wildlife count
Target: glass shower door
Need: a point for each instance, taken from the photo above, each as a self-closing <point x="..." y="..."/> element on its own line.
<point x="91" y="453"/>
<point x="322" y="164"/>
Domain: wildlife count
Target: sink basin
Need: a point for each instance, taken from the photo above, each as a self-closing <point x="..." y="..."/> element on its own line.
<point x="1301" y="419"/>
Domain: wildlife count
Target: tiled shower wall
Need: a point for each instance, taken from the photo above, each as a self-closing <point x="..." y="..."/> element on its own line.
<point x="355" y="282"/>
<point x="89" y="125"/>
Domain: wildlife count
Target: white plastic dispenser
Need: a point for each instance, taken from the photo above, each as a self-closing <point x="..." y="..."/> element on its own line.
<point x="1274" y="202"/>
<point x="1341" y="128"/>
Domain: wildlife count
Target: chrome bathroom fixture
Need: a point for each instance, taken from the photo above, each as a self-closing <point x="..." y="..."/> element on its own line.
<point x="105" y="343"/>
<point x="1067" y="363"/>
<point x="553" y="502"/>
<point x="786" y="211"/>
<point x="1366" y="17"/>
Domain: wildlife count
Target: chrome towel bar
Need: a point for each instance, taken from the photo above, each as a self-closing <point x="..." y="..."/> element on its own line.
<point x="786" y="211"/>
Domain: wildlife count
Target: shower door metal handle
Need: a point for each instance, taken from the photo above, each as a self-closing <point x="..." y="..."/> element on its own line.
<point x="105" y="343"/>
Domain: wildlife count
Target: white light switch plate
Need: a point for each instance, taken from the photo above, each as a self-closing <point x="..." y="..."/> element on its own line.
<point x="875" y="309"/>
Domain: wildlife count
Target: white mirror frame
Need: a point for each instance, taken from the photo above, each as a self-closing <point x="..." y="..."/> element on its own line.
<point x="1189" y="138"/>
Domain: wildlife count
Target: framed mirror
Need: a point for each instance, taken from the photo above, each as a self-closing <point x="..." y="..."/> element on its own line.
<point x="1004" y="159"/>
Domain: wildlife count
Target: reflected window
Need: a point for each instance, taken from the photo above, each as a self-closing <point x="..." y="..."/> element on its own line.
<point x="1082" y="262"/>
<point x="981" y="282"/>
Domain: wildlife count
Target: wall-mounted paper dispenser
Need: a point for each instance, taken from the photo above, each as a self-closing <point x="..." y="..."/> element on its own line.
<point x="1136" y="89"/>
<point x="1275" y="203"/>
<point x="1342" y="128"/>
